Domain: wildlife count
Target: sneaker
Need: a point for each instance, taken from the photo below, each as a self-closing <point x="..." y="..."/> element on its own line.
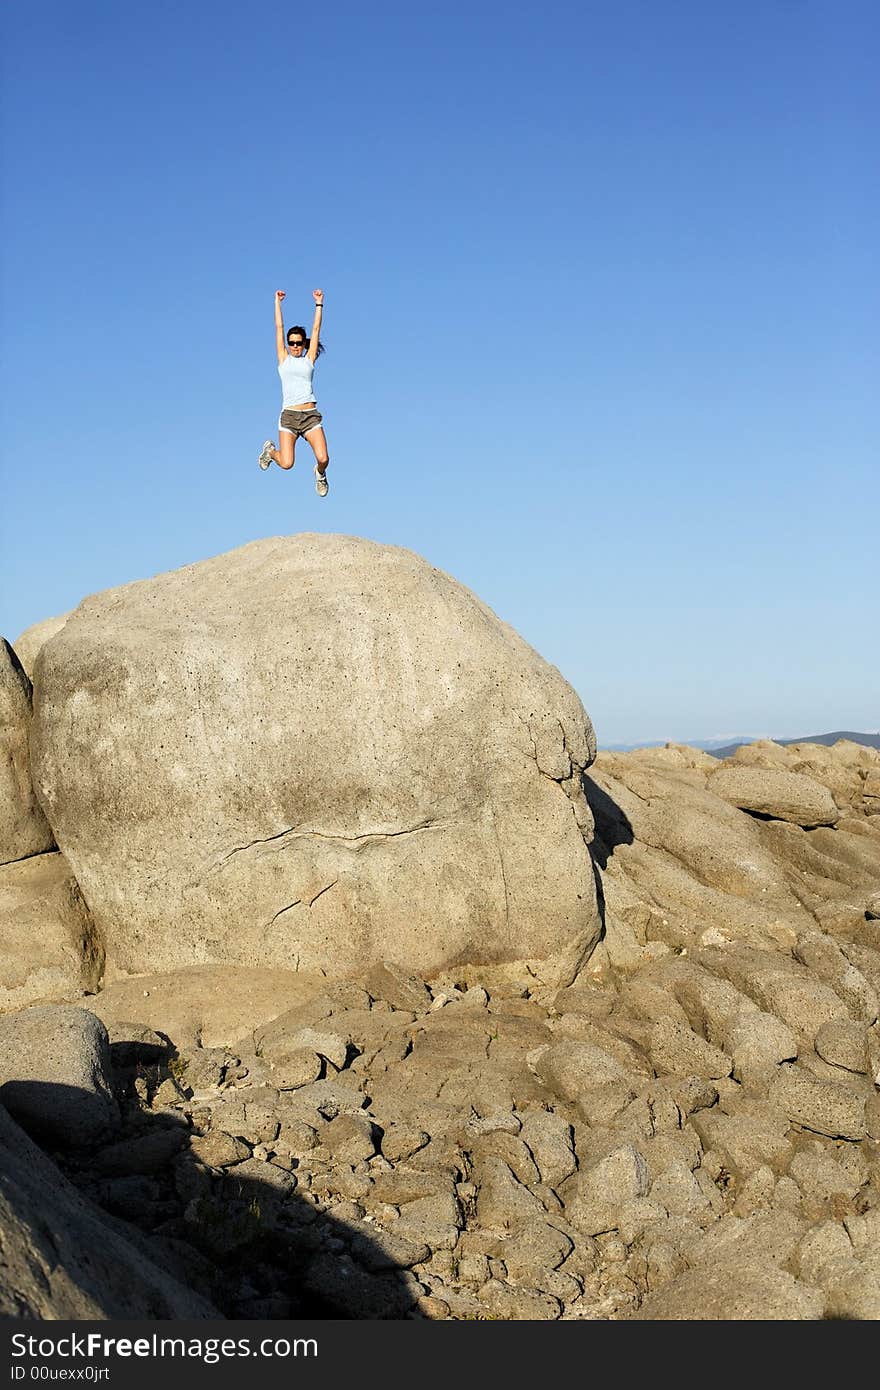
<point x="322" y="487"/>
<point x="266" y="454"/>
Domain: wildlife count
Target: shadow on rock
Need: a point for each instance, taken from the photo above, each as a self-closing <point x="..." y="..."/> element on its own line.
<point x="612" y="829"/>
<point x="226" y="1226"/>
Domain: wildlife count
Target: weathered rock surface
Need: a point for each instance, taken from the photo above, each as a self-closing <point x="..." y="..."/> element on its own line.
<point x="222" y="765"/>
<point x="49" y="948"/>
<point x="783" y="795"/>
<point x="690" y="1129"/>
<point x="24" y="829"/>
<point x="208" y="1004"/>
<point x="685" y="868"/>
<point x="27" y="645"/>
<point x="479" y="1154"/>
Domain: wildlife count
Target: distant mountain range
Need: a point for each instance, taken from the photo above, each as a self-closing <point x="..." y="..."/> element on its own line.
<point x="725" y="748"/>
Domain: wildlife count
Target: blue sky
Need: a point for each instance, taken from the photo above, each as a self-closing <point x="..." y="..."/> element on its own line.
<point x="602" y="297"/>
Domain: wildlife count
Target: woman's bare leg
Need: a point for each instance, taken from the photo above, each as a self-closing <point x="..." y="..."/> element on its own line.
<point x="318" y="441"/>
<point x="283" y="455"/>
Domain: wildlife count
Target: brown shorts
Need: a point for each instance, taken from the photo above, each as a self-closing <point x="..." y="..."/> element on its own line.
<point x="297" y="422"/>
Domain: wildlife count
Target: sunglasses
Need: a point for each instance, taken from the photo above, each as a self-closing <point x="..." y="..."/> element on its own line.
<point x="295" y="342"/>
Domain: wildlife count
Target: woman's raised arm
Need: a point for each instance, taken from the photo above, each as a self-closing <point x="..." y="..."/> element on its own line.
<point x="314" y="340"/>
<point x="280" y="345"/>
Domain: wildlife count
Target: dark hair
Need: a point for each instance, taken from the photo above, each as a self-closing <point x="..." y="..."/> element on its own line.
<point x="298" y="328"/>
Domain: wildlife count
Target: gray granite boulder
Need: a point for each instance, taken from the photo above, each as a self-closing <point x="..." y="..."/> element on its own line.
<point x="316" y="753"/>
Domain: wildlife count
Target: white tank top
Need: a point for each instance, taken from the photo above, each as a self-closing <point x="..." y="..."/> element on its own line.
<point x="296" y="381"/>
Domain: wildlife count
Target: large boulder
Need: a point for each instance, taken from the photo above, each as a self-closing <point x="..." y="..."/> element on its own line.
<point x="315" y="752"/>
<point x="24" y="829"/>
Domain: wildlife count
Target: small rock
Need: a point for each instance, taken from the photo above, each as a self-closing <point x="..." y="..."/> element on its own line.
<point x="168" y="1094"/>
<point x="758" y="1042"/>
<point x="374" y="1248"/>
<point x="535" y="1248"/>
<point x="549" y="1139"/>
<point x="503" y="1202"/>
<point x="822" y="1106"/>
<point x="603" y="1188"/>
<point x="677" y="1190"/>
<point x="841" y="1042"/>
<point x="473" y="1269"/>
<point x="776" y="792"/>
<point x="219" y="1150"/>
<point x="571" y="1067"/>
<point x="300" y="1068"/>
<point x="756" y="1192"/>
<point x="398" y="987"/>
<point x="676" y="1048"/>
<point x="349" y="1138"/>
<point x="333" y="1046"/>
<point x="434" y="1220"/>
<point x="819" y="1176"/>
<point x="401" y="1141"/>
<point x="511" y="1150"/>
<point x="520" y="1304"/>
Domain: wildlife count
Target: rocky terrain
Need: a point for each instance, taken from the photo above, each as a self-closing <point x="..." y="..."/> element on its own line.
<point x="671" y="1114"/>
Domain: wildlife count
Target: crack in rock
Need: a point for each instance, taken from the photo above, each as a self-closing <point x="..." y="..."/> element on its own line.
<point x="298" y="902"/>
<point x="355" y="841"/>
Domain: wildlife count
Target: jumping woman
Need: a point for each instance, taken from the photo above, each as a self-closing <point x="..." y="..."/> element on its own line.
<point x="297" y="356"/>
